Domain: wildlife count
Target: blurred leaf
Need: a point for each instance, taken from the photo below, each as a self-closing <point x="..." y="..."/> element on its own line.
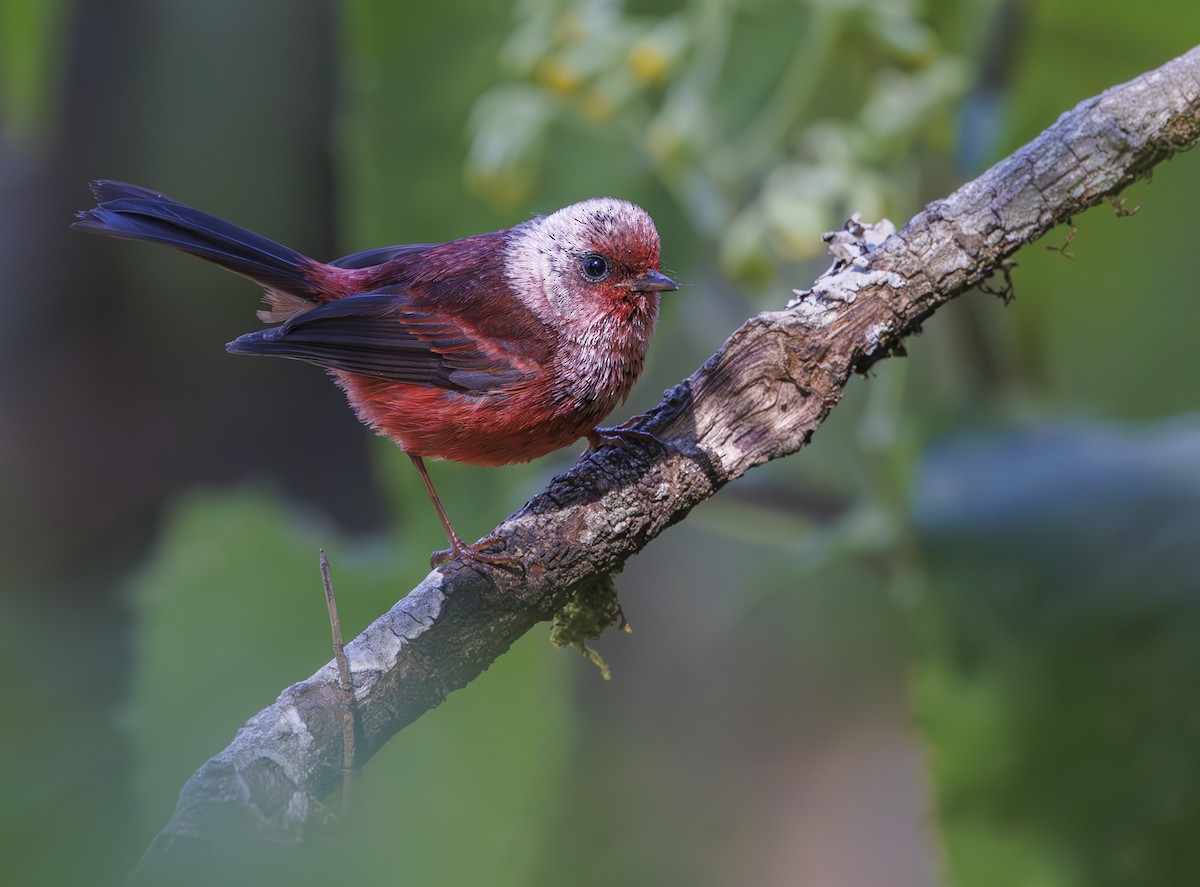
<point x="466" y="795"/>
<point x="230" y="611"/>
<point x="1059" y="654"/>
<point x="410" y="73"/>
<point x="29" y="34"/>
<point x="510" y="129"/>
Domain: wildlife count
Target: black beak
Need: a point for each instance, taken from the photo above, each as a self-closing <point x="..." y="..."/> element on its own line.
<point x="650" y="282"/>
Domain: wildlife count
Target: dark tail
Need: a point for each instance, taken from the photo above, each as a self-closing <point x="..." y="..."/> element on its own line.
<point x="132" y="213"/>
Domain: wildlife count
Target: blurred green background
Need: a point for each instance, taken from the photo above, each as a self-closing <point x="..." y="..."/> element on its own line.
<point x="954" y="641"/>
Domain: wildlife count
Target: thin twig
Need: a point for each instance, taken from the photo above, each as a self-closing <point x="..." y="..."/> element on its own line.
<point x="345" y="685"/>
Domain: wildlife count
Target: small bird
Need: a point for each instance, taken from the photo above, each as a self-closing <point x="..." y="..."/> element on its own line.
<point x="493" y="349"/>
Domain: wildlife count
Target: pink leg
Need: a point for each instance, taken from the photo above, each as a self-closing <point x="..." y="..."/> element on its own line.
<point x="458" y="548"/>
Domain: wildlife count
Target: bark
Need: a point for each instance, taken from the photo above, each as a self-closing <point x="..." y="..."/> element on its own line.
<point x="760" y="397"/>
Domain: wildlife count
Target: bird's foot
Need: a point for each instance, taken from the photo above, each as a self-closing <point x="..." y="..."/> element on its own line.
<point x="473" y="554"/>
<point x="605" y="437"/>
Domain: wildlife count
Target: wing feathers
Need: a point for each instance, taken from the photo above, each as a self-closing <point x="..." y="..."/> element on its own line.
<point x="372" y="334"/>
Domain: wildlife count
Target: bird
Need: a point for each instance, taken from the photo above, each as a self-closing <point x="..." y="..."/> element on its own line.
<point x="492" y="349"/>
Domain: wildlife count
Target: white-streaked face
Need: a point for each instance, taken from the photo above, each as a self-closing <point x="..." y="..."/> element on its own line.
<point x="577" y="256"/>
<point x="590" y="271"/>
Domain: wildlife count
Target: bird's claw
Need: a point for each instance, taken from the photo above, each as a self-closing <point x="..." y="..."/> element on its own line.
<point x="604" y="437"/>
<point x="473" y="554"/>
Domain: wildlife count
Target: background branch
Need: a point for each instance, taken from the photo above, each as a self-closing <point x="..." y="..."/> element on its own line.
<point x="761" y="396"/>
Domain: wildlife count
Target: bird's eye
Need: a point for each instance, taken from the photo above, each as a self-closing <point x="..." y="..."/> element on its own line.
<point x="595" y="267"/>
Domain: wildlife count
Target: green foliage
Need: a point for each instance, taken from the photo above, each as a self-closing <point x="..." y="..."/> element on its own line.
<point x="727" y="105"/>
<point x="404" y="95"/>
<point x="223" y="623"/>
<point x="594" y="609"/>
<point x="1058" y="656"/>
<point x="29" y="37"/>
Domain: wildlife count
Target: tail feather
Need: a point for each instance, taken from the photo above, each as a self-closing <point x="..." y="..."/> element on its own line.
<point x="133" y="213"/>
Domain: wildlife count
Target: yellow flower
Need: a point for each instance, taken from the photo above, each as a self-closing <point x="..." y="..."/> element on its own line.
<point x="648" y="61"/>
<point x="557" y="76"/>
<point x="596" y="107"/>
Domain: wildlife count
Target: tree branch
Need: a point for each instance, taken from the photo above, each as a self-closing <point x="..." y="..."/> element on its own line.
<point x="761" y="396"/>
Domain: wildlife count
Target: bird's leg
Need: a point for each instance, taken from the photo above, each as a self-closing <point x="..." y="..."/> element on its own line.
<point x="458" y="548"/>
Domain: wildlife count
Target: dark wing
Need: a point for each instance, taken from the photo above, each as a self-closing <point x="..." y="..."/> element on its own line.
<point x="378" y="334"/>
<point x="371" y="257"/>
